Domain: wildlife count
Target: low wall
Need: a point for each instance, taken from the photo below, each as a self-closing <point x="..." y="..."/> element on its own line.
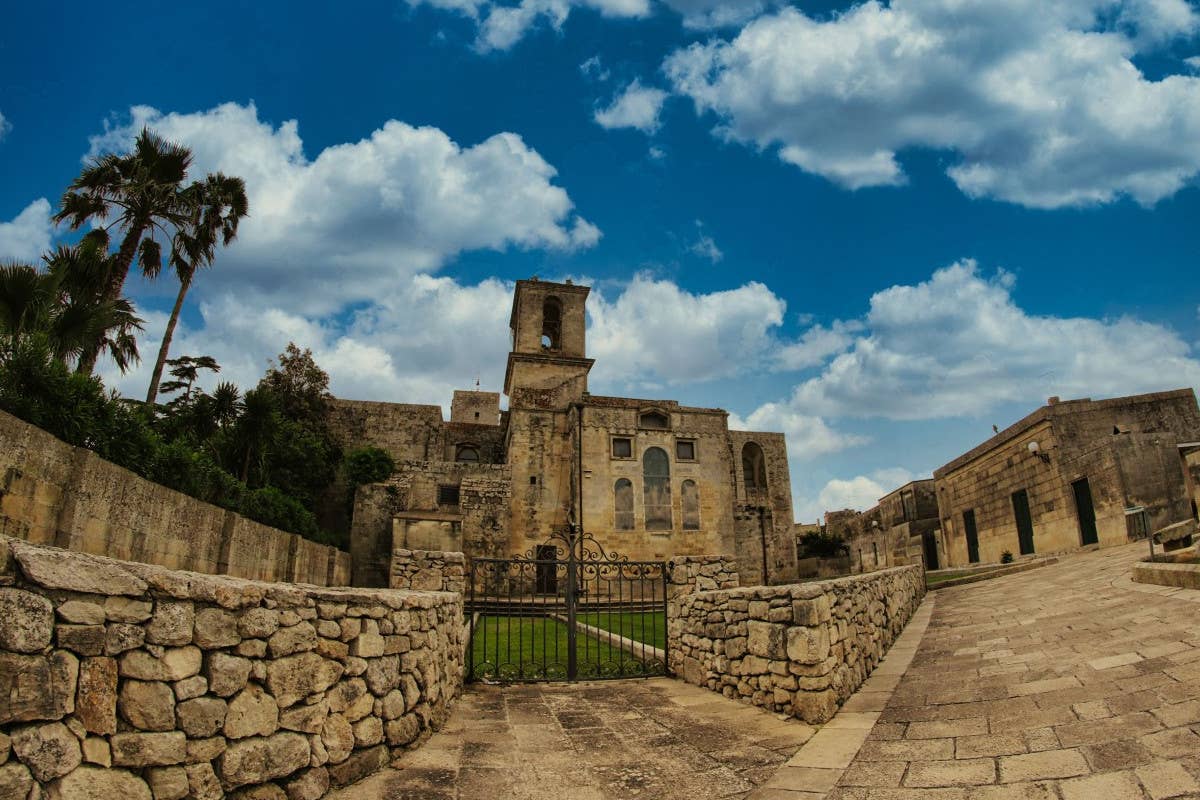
<point x="1183" y="576"/>
<point x="800" y="649"/>
<point x="53" y="493"/>
<point x="428" y="570"/>
<point x="124" y="680"/>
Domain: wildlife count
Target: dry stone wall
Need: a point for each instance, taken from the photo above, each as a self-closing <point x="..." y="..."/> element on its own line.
<point x="428" y="570"/>
<point x="130" y="681"/>
<point x="55" y="494"/>
<point x="800" y="649"/>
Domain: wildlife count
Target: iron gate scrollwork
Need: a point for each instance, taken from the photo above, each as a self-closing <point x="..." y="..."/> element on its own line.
<point x="565" y="610"/>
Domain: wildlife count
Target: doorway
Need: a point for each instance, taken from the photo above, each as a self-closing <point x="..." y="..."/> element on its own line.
<point x="931" y="555"/>
<point x="1020" y="503"/>
<point x="546" y="581"/>
<point x="972" y="536"/>
<point x="1086" y="512"/>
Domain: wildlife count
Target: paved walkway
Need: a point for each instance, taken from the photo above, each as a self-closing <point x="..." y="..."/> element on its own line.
<point x="1063" y="682"/>
<point x="653" y="739"/>
<point x="1067" y="682"/>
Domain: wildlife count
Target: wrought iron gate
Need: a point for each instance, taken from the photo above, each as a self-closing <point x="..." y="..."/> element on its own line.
<point x="565" y="610"/>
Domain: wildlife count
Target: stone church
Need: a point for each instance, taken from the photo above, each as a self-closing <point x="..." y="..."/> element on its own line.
<point x="648" y="479"/>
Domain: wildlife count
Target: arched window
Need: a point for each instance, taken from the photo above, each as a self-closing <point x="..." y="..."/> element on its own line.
<point x="623" y="505"/>
<point x="689" y="494"/>
<point x="754" y="467"/>
<point x="656" y="480"/>
<point x="552" y="324"/>
<point x="466" y="452"/>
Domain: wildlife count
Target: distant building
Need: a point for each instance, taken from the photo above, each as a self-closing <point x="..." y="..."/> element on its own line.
<point x="903" y="528"/>
<point x="1063" y="477"/>
<point x="649" y="479"/>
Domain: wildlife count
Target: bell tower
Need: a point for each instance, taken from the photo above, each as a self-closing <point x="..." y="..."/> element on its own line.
<point x="548" y="349"/>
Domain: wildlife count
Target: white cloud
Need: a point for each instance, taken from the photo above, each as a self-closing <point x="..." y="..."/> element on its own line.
<point x="360" y="219"/>
<point x="808" y="437"/>
<point x="1193" y="62"/>
<point x="1041" y="104"/>
<point x="704" y="246"/>
<point x="958" y="345"/>
<point x="5" y="126"/>
<point x="27" y="236"/>
<point x="594" y="68"/>
<point x="636" y="106"/>
<point x="816" y="345"/>
<point x="502" y="26"/>
<point x="707" y="14"/>
<point x="656" y="332"/>
<point x="656" y="153"/>
<point x="858" y="493"/>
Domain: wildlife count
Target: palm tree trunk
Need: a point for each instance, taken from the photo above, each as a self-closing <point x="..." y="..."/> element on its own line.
<point x="165" y="348"/>
<point x="112" y="289"/>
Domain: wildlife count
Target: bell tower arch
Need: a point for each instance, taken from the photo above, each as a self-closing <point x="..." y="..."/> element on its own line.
<point x="548" y="325"/>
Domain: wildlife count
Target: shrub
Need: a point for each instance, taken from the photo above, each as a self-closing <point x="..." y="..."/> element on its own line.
<point x="368" y="465"/>
<point x="823" y="545"/>
<point x="272" y="507"/>
<point x="1006" y="557"/>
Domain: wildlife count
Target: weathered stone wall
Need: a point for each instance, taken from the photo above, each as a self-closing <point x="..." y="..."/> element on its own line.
<point x="763" y="515"/>
<point x="428" y="570"/>
<point x="801" y="649"/>
<point x="123" y="680"/>
<point x="69" y="497"/>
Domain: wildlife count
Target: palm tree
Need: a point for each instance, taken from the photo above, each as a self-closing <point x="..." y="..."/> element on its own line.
<point x="217" y="205"/>
<point x="141" y="190"/>
<point x="186" y="370"/>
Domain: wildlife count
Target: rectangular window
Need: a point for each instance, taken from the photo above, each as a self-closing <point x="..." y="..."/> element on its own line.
<point x="622" y="447"/>
<point x="685" y="450"/>
<point x="447" y="495"/>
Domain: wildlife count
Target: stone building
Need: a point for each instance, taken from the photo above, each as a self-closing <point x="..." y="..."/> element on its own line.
<point x="903" y="528"/>
<point x="649" y="479"/>
<point x="1064" y="476"/>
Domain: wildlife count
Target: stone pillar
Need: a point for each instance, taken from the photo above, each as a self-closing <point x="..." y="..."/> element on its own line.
<point x="687" y="575"/>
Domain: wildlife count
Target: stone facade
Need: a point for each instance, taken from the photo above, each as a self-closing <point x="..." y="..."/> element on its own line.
<point x="124" y="680"/>
<point x="903" y="528"/>
<point x="1109" y="454"/>
<point x="801" y="649"/>
<point x="53" y="493"/>
<point x="648" y="479"/>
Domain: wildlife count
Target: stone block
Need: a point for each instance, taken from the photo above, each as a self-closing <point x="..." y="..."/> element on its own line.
<point x="37" y="687"/>
<point x="61" y="569"/>
<point x="148" y="749"/>
<point x="338" y="738"/>
<point x="15" y="782"/>
<point x="49" y="750"/>
<point x="808" y="645"/>
<point x="402" y="730"/>
<point x="188" y="688"/>
<point x="815" y="707"/>
<point x="292" y="678"/>
<point x="126" y="609"/>
<point x="311" y="784"/>
<point x="79" y="612"/>
<point x="82" y="640"/>
<point x="227" y="675"/>
<point x="172" y="623"/>
<point x="259" y="759"/>
<point x="367" y="645"/>
<point x="359" y="765"/>
<point x="168" y="783"/>
<point x="96" y="751"/>
<point x="202" y="782"/>
<point x="215" y="628"/>
<point x="201" y="717"/>
<point x="297" y="639"/>
<point x="199" y="750"/>
<point x="175" y="664"/>
<point x="122" y="636"/>
<point x="26" y="621"/>
<point x="96" y="707"/>
<point x="766" y="640"/>
<point x="252" y="712"/>
<point x="95" y="783"/>
<point x="147" y="705"/>
<point x="258" y="623"/>
<point x="368" y="731"/>
<point x="305" y="719"/>
<point x="264" y="791"/>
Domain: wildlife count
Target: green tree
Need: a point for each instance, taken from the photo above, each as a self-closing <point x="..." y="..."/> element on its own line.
<point x="217" y="205"/>
<point x="142" y="192"/>
<point x="186" y="371"/>
<point x="299" y="385"/>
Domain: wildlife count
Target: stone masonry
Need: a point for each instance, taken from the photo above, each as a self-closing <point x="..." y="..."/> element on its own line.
<point x="801" y="649"/>
<point x="427" y="570"/>
<point x="123" y="680"/>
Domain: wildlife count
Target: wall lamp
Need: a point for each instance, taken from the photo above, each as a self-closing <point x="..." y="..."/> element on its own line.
<point x="1036" y="449"/>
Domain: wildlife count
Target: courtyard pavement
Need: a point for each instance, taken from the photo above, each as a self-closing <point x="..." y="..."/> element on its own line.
<point x="1068" y="682"/>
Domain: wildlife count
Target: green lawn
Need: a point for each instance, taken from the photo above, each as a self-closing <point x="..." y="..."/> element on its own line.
<point x="641" y="626"/>
<point x="535" y="648"/>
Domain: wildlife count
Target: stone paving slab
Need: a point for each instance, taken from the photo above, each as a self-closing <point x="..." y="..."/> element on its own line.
<point x="1067" y="682"/>
<point x="657" y="738"/>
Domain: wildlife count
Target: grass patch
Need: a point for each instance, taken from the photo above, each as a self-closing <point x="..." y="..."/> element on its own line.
<point x="641" y="626"/>
<point x="535" y="648"/>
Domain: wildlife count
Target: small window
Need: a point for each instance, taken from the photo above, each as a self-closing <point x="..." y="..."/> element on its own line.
<point x="685" y="450"/>
<point x="467" y="452"/>
<point x="476" y="415"/>
<point x="533" y="480"/>
<point x="622" y="447"/>
<point x="655" y="420"/>
<point x="447" y="495"/>
<point x="754" y="467"/>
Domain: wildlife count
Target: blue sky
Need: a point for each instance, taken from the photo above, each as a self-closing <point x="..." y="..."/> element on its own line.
<point x="879" y="228"/>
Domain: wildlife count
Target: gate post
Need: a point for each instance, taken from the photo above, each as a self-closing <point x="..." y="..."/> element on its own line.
<point x="572" y="562"/>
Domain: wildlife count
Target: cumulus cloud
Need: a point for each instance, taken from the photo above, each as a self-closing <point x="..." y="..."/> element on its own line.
<point x="708" y="14"/>
<point x="27" y="236"/>
<point x="499" y="27"/>
<point x="656" y="331"/>
<point x="858" y="493"/>
<point x="958" y="345"/>
<point x="636" y="106"/>
<point x="816" y="345"/>
<point x="1040" y="104"/>
<point x="5" y="126"/>
<point x="361" y="218"/>
<point x="704" y="246"/>
<point x="808" y="437"/>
